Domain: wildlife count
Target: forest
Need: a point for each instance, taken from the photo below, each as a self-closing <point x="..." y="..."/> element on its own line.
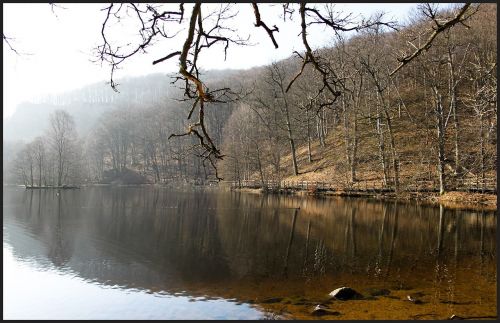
<point x="434" y="118"/>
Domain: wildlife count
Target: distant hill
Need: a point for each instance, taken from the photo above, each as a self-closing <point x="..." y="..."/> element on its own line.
<point x="31" y="120"/>
<point x="87" y="104"/>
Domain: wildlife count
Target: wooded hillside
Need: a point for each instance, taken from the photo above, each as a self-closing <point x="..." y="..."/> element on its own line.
<point x="433" y="119"/>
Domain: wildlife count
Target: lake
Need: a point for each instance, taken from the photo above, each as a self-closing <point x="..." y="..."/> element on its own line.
<point x="161" y="253"/>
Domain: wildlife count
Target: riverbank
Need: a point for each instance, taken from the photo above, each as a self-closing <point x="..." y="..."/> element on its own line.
<point x="453" y="199"/>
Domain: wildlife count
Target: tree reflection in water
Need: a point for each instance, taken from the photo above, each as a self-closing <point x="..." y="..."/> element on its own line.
<point x="168" y="240"/>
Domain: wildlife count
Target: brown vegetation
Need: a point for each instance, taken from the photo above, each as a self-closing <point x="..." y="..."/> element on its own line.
<point x="431" y="125"/>
<point x="346" y="120"/>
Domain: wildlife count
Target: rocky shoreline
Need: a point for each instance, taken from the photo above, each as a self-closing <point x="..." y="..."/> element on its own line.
<point x="340" y="303"/>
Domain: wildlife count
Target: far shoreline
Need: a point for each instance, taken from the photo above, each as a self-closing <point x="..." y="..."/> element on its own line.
<point x="451" y="199"/>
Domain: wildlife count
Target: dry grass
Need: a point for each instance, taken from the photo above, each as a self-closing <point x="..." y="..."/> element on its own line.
<point x="460" y="199"/>
<point x="329" y="165"/>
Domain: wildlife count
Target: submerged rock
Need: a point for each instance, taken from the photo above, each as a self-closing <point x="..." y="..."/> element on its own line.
<point x="345" y="293"/>
<point x="320" y="310"/>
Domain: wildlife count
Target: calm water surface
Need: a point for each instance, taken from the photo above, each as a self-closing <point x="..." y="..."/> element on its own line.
<point x="158" y="253"/>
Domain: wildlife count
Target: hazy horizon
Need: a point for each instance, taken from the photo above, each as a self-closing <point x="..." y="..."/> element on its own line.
<point x="74" y="30"/>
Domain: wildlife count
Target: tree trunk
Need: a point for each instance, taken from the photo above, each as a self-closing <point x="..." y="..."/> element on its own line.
<point x="319" y="131"/>
<point x="456" y="125"/>
<point x="290" y="139"/>
<point x="155" y="165"/>
<point x="453" y="107"/>
<point x="482" y="153"/>
<point x="237" y="171"/>
<point x="60" y="171"/>
<point x="347" y="139"/>
<point x="395" y="158"/>
<point x="381" y="147"/>
<point x="259" y="164"/>
<point x="309" y="154"/>
<point x="294" y="158"/>
<point x="325" y="123"/>
<point x="441" y="140"/>
<point x="31" y="173"/>
<point x="354" y="149"/>
<point x="40" y="171"/>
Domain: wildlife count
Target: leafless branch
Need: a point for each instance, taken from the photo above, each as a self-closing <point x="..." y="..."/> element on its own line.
<point x="260" y="23"/>
<point x="345" y="23"/>
<point x="203" y="31"/>
<point x="439" y="26"/>
<point x="6" y="40"/>
<point x="150" y="29"/>
<point x="329" y="79"/>
<point x="166" y="57"/>
<point x="339" y="23"/>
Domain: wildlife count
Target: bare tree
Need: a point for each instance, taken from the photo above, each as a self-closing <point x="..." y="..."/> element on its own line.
<point x="482" y="100"/>
<point x="26" y="164"/>
<point x="62" y="136"/>
<point x="276" y="79"/>
<point x="205" y="30"/>
<point x="381" y="83"/>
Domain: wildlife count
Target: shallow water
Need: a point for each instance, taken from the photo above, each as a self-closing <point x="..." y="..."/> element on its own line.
<point x="157" y="253"/>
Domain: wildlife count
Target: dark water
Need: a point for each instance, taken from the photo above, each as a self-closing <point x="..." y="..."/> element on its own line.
<point x="128" y="253"/>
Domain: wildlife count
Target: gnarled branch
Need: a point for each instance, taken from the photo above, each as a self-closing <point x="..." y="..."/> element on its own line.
<point x="439" y="27"/>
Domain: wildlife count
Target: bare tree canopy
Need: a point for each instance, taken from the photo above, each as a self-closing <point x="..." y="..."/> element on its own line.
<point x="439" y="25"/>
<point x="205" y="29"/>
<point x="345" y="110"/>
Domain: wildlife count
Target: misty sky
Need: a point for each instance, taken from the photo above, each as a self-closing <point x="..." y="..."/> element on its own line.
<point x="56" y="47"/>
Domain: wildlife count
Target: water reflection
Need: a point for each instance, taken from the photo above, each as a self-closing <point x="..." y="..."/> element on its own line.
<point x="162" y="240"/>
